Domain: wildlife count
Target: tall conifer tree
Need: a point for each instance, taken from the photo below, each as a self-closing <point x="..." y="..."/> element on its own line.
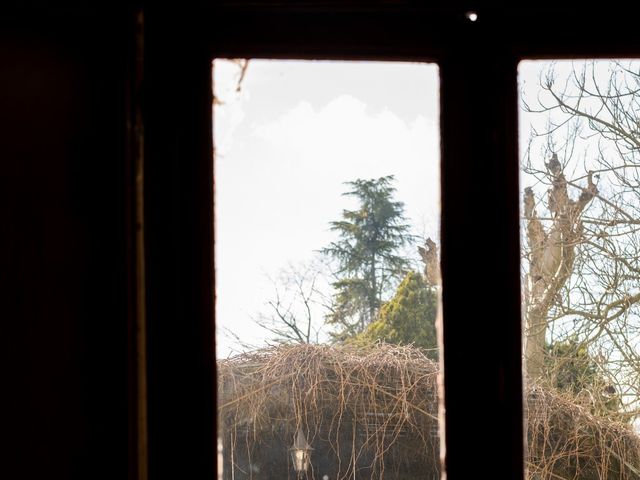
<point x="367" y="254"/>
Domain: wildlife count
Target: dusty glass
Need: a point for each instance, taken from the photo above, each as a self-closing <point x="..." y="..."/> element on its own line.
<point x="327" y="268"/>
<point x="580" y="205"/>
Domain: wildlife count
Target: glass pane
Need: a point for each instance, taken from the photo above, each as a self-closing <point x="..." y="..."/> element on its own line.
<point x="327" y="268"/>
<point x="580" y="173"/>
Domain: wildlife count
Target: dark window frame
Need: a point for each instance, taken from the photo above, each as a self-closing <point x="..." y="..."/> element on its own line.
<point x="479" y="160"/>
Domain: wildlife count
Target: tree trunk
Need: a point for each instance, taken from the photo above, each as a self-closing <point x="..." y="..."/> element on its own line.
<point x="535" y="342"/>
<point x="373" y="294"/>
<point x="551" y="259"/>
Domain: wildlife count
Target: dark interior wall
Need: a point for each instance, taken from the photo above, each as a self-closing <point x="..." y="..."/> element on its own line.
<point x="65" y="222"/>
<point x="63" y="190"/>
<point x="178" y="241"/>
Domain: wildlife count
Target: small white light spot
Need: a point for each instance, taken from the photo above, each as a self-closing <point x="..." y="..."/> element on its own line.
<point x="472" y="16"/>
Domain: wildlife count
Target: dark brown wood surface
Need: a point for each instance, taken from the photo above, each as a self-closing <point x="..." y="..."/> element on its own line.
<point x="67" y="201"/>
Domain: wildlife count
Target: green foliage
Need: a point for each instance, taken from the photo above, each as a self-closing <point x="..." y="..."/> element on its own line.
<point x="569" y="367"/>
<point x="366" y="254"/>
<point x="408" y="318"/>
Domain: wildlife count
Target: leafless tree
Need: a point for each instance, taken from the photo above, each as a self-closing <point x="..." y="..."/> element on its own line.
<point x="581" y="248"/>
<point x="296" y="312"/>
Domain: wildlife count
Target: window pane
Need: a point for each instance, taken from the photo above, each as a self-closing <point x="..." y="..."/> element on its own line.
<point x="327" y="268"/>
<point x="580" y="173"/>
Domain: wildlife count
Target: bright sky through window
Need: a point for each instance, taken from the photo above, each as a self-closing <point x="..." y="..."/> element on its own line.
<point x="288" y="135"/>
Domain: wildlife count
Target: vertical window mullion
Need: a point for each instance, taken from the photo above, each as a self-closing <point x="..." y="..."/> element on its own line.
<point x="480" y="259"/>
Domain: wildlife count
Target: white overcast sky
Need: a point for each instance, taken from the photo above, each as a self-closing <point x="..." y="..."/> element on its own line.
<point x="288" y="140"/>
<point x="294" y="133"/>
<point x="285" y="145"/>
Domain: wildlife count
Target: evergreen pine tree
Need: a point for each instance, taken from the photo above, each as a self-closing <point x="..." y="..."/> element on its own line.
<point x="366" y="253"/>
<point x="409" y="318"/>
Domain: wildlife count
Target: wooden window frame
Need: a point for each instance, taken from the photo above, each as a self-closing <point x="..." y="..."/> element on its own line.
<point x="480" y="193"/>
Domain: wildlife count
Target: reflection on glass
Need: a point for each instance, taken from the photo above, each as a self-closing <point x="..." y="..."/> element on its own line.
<point x="327" y="269"/>
<point x="580" y="144"/>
